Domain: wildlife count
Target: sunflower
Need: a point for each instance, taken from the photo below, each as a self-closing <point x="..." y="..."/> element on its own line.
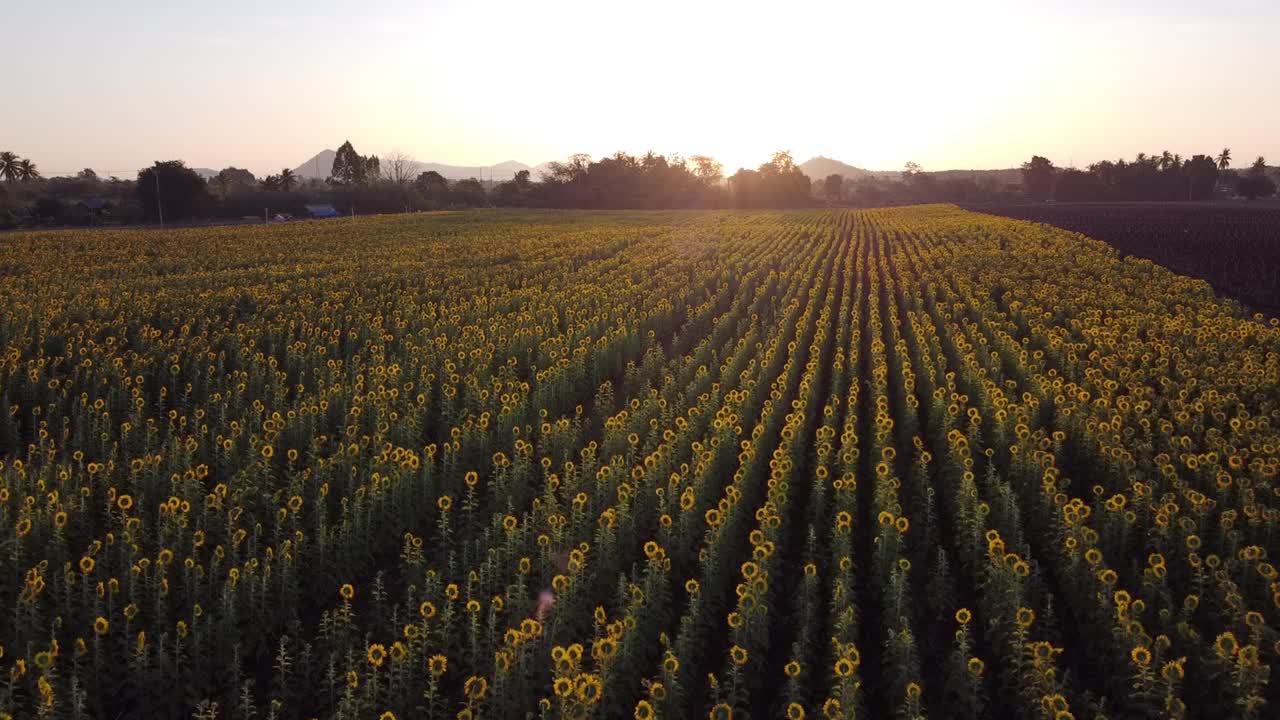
<point x="1140" y="655"/>
<point x="844" y="668"/>
<point x="347" y="591"/>
<point x="738" y="655"/>
<point x="1025" y="617"/>
<point x="377" y="654"/>
<point x="563" y="687"/>
<point x="795" y="711"/>
<point x="976" y="666"/>
<point x="475" y="687"/>
<point x="644" y="710"/>
<point x="792" y="669"/>
<point x="963" y="616"/>
<point x="1225" y="645"/>
<point x="438" y="665"/>
<point x="589" y="688"/>
<point x="721" y="711"/>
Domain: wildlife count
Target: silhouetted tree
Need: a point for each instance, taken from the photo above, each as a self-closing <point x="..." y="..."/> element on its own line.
<point x="181" y="192"/>
<point x="288" y="181"/>
<point x="833" y="186"/>
<point x="1037" y="178"/>
<point x="231" y="179"/>
<point x="708" y="172"/>
<point x="1077" y="186"/>
<point x="431" y="182"/>
<point x="398" y="168"/>
<point x="9" y="166"/>
<point x="27" y="171"/>
<point x="1202" y="177"/>
<point x="468" y="192"/>
<point x="1255" y="184"/>
<point x="782" y="183"/>
<point x="348" y="167"/>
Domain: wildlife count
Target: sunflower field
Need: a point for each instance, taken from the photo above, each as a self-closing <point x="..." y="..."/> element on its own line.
<point x="908" y="463"/>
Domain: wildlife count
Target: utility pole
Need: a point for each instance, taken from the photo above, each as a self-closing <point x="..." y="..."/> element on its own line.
<point x="159" y="206"/>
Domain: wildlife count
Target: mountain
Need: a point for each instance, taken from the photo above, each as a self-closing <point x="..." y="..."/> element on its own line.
<point x="319" y="166"/>
<point x="205" y="173"/>
<point x="820" y="167"/>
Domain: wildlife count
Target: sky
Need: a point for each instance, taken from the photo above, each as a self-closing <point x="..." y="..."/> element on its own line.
<point x="947" y="84"/>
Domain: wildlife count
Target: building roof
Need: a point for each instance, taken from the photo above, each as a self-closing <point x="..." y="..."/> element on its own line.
<point x="320" y="210"/>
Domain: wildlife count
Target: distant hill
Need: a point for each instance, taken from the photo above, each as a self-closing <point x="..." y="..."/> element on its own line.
<point x="317" y="167"/>
<point x="205" y="173"/>
<point x="820" y="167"/>
<point x="321" y="164"/>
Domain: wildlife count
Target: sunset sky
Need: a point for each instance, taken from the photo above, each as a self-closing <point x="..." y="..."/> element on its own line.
<point x="976" y="84"/>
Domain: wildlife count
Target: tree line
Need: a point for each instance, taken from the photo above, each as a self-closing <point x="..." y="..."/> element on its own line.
<point x="1163" y="177"/>
<point x="171" y="191"/>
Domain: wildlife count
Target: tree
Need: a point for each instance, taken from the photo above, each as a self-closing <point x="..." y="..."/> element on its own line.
<point x="1224" y="159"/>
<point x="348" y="167"/>
<point x="87" y="174"/>
<point x="270" y="183"/>
<point x="708" y="172"/>
<point x="431" y="183"/>
<point x="1037" y="178"/>
<point x="1202" y="177"/>
<point x="173" y="188"/>
<point x="783" y="183"/>
<point x="1256" y="184"/>
<point x="911" y="170"/>
<point x="469" y="192"/>
<point x="372" y="169"/>
<point x="398" y="168"/>
<point x="287" y="180"/>
<point x="27" y="171"/>
<point x="9" y="166"/>
<point x="1077" y="186"/>
<point x="833" y="186"/>
<point x="515" y="191"/>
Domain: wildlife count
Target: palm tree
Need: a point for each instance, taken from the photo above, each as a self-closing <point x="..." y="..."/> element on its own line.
<point x="27" y="171"/>
<point x="287" y="180"/>
<point x="1165" y="161"/>
<point x="9" y="166"/>
<point x="1224" y="159"/>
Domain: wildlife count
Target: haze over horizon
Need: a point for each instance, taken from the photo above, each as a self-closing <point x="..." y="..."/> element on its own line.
<point x="975" y="87"/>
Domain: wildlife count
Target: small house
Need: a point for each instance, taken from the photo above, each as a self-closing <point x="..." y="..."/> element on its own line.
<point x="96" y="209"/>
